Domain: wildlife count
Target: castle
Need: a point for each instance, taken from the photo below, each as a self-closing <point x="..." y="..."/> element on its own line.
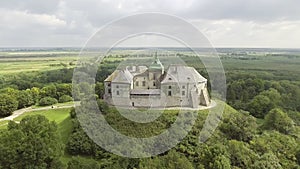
<point x="153" y="86"/>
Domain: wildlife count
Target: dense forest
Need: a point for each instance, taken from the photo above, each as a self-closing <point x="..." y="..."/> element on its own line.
<point x="260" y="127"/>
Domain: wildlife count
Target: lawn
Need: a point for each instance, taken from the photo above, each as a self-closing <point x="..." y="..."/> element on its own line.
<point x="56" y="105"/>
<point x="3" y="124"/>
<point x="57" y="115"/>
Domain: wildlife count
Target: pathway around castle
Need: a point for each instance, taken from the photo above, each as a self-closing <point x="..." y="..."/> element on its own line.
<point x="19" y="112"/>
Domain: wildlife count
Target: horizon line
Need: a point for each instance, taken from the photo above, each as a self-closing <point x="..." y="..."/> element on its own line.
<point x="120" y="47"/>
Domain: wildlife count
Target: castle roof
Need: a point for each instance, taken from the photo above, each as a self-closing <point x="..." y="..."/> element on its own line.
<point x="120" y="76"/>
<point x="156" y="64"/>
<point x="182" y="74"/>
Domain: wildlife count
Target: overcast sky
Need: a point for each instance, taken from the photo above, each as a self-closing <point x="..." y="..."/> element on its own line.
<point x="226" y="23"/>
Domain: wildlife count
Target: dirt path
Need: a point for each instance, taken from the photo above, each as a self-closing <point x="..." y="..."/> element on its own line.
<point x="19" y="112"/>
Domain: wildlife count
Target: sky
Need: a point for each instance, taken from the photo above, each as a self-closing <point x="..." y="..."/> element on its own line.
<point x="226" y="23"/>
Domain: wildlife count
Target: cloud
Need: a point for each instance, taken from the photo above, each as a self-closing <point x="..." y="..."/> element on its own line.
<point x="236" y="33"/>
<point x="15" y="19"/>
<point x="273" y="23"/>
<point x="256" y="10"/>
<point x="32" y="6"/>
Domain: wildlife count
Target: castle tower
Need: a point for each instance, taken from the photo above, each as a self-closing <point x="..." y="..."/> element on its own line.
<point x="156" y="69"/>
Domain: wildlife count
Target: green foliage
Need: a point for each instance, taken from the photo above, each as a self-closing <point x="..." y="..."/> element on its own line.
<point x="65" y="98"/>
<point x="80" y="144"/>
<point x="214" y="156"/>
<point x="235" y="144"/>
<point x="278" y="120"/>
<point x="241" y="155"/>
<point x="267" y="161"/>
<point x="260" y="105"/>
<point x="49" y="91"/>
<point x="283" y="146"/>
<point x="47" y="101"/>
<point x="103" y="107"/>
<point x="221" y="162"/>
<point x="82" y="163"/>
<point x="34" y="143"/>
<point x="8" y="104"/>
<point x="63" y="90"/>
<point x="99" y="89"/>
<point x="172" y="160"/>
<point x="35" y="94"/>
<point x="242" y="91"/>
<point x="73" y="113"/>
<point x="239" y="126"/>
<point x="25" y="99"/>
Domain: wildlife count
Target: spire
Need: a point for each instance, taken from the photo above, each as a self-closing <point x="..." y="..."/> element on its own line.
<point x="156" y="60"/>
<point x="156" y="64"/>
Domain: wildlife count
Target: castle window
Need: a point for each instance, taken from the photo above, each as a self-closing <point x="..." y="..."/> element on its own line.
<point x="109" y="91"/>
<point x="170" y="87"/>
<point x="144" y="83"/>
<point x="136" y="83"/>
<point x="118" y="93"/>
<point x="169" y="93"/>
<point x="108" y="84"/>
<point x="154" y="84"/>
<point x="183" y="87"/>
<point x="183" y="93"/>
<point x="170" y="78"/>
<point x="117" y="86"/>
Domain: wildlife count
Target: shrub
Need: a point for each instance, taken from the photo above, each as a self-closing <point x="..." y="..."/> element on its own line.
<point x="47" y="101"/>
<point x="65" y="98"/>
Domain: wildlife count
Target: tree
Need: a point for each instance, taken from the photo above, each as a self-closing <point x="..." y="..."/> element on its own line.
<point x="103" y="107"/>
<point x="274" y="95"/>
<point x="264" y="102"/>
<point x="47" y="101"/>
<point x="80" y="144"/>
<point x="281" y="145"/>
<point x="240" y="154"/>
<point x="49" y="91"/>
<point x="34" y="143"/>
<point x="99" y="89"/>
<point x="214" y="156"/>
<point x="221" y="162"/>
<point x="10" y="91"/>
<point x="260" y="105"/>
<point x="8" y="104"/>
<point x="64" y="89"/>
<point x="65" y="98"/>
<point x="35" y="93"/>
<point x="278" y="120"/>
<point x="81" y="163"/>
<point x="25" y="99"/>
<point x="172" y="160"/>
<point x="239" y="126"/>
<point x="268" y="160"/>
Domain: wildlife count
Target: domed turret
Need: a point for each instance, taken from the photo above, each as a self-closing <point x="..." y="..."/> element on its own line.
<point x="156" y="69"/>
<point x="156" y="65"/>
